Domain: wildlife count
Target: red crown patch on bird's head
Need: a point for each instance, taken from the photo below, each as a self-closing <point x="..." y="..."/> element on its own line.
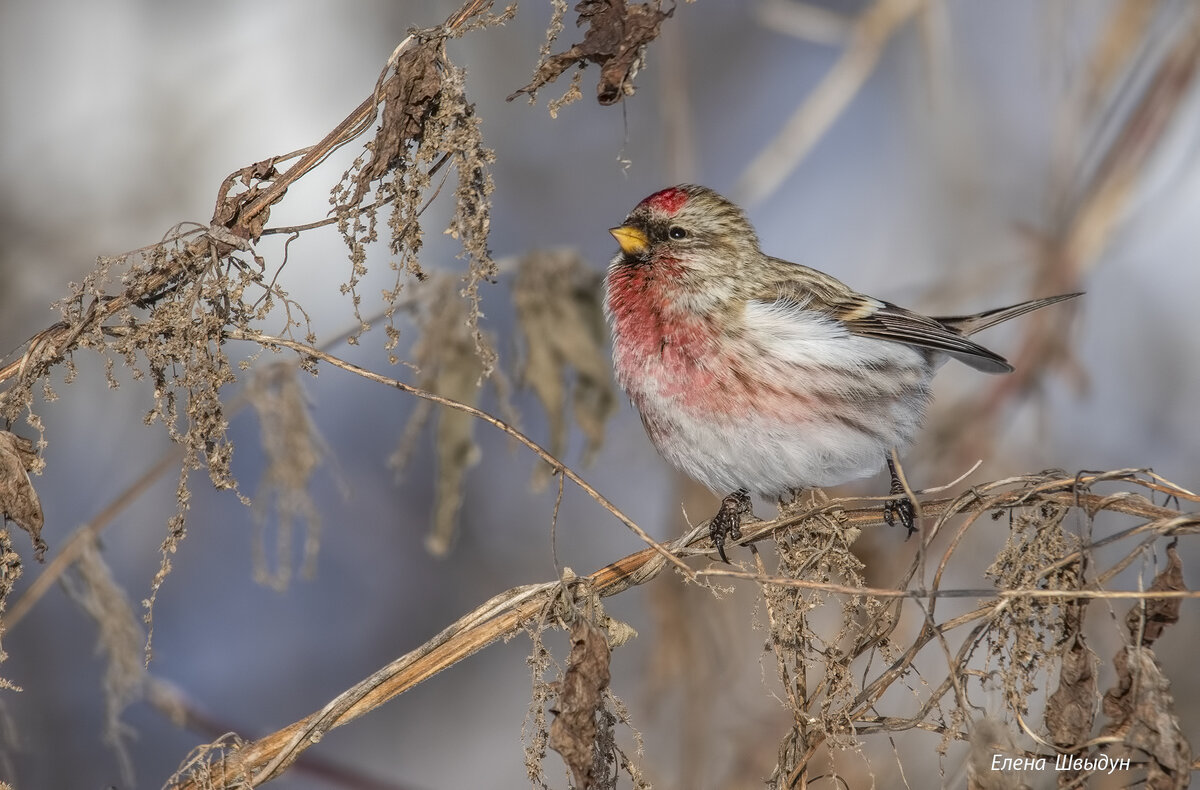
<point x="668" y="201"/>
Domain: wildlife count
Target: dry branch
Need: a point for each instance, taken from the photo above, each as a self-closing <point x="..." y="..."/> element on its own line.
<point x="237" y="220"/>
<point x="510" y="612"/>
<point x="869" y="35"/>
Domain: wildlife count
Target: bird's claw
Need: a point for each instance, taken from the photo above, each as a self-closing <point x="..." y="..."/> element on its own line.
<point x="900" y="509"/>
<point x="728" y="520"/>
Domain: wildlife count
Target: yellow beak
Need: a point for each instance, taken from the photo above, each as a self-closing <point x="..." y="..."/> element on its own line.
<point x="632" y="240"/>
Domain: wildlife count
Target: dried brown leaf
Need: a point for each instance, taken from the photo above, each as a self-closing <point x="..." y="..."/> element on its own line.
<point x="293" y="450"/>
<point x="18" y="499"/>
<point x="120" y="640"/>
<point x="1071" y="709"/>
<point x="615" y="38"/>
<point x="558" y="307"/>
<point x="445" y="355"/>
<point x="230" y="211"/>
<point x="580" y="696"/>
<point x="1157" y="613"/>
<point x="410" y="97"/>
<point x="1143" y="715"/>
<point x="1140" y="707"/>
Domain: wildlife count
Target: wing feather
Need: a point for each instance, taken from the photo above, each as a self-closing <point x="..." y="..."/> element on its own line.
<point x="904" y="326"/>
<point x="864" y="316"/>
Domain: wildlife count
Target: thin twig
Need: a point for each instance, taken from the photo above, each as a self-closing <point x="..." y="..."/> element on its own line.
<point x="54" y="342"/>
<point x="84" y="536"/>
<point x="541" y="452"/>
<point x="872" y="30"/>
<point x="509" y="612"/>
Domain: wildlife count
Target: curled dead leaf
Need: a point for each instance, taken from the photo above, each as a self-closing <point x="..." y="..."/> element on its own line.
<point x="615" y="40"/>
<point x="409" y="96"/>
<point x="580" y="695"/>
<point x="1071" y="709"/>
<point x="1158" y="613"/>
<point x="557" y="298"/>
<point x="445" y="355"/>
<point x="1142" y="713"/>
<point x="230" y="209"/>
<point x="18" y="499"/>
<point x="1140" y="706"/>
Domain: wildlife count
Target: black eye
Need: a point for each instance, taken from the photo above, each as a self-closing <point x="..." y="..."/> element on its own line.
<point x="677" y="232"/>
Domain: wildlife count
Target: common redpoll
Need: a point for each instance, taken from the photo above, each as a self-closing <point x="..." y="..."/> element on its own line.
<point x="752" y="373"/>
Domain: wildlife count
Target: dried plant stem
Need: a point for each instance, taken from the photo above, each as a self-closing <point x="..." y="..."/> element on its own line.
<point x="83" y="537"/>
<point x="506" y="614"/>
<point x="871" y="32"/>
<point x="559" y="466"/>
<point x="51" y="344"/>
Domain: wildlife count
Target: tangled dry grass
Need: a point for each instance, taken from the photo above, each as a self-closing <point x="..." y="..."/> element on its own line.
<point x="894" y="658"/>
<point x="1022" y="635"/>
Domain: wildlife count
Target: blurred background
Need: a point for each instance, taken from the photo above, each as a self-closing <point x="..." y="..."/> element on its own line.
<point x="947" y="156"/>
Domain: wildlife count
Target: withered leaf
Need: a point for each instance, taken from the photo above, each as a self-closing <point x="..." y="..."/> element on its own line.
<point x="614" y="40"/>
<point x="230" y="207"/>
<point x="1158" y="612"/>
<point x="580" y="696"/>
<point x="1071" y="709"/>
<point x="1142" y="714"/>
<point x="560" y="316"/>
<point x="18" y="499"/>
<point x="410" y="96"/>
<point x="1139" y="706"/>
<point x="445" y="355"/>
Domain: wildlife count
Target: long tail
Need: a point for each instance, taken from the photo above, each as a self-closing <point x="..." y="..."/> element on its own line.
<point x="970" y="324"/>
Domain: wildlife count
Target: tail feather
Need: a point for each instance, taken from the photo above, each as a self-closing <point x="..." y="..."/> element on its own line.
<point x="970" y="324"/>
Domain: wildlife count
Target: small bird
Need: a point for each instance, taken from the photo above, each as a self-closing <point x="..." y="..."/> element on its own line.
<point x="752" y="373"/>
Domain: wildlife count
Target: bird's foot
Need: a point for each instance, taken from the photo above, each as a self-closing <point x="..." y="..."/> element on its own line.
<point x="728" y="520"/>
<point x="901" y="508"/>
